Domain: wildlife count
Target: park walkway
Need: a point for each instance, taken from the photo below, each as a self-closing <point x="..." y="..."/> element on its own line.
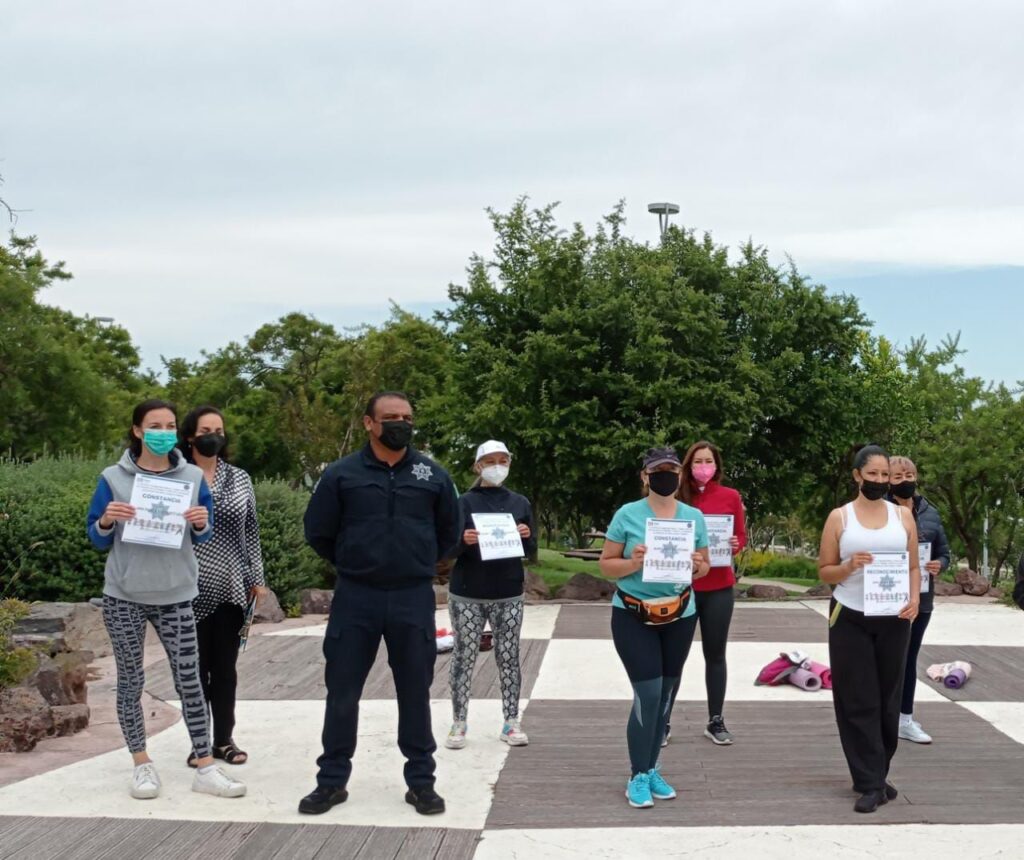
<point x="781" y="791"/>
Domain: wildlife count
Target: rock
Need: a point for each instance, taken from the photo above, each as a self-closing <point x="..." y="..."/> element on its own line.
<point x="535" y="587"/>
<point x="767" y="592"/>
<point x="996" y="593"/>
<point x="62" y="680"/>
<point x="822" y="589"/>
<point x="25" y="717"/>
<point x="268" y="610"/>
<point x="440" y="595"/>
<point x="68" y="719"/>
<point x="972" y="583"/>
<point x="946" y="589"/>
<point x="61" y="627"/>
<point x="315" y="601"/>
<point x="584" y="586"/>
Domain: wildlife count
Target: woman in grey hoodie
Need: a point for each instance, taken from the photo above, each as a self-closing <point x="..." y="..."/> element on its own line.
<point x="153" y="579"/>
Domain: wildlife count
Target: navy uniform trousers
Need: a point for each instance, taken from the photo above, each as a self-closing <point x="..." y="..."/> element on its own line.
<point x="361" y="616"/>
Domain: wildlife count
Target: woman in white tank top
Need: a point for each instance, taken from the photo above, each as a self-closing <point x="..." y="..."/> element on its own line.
<point x="868" y="653"/>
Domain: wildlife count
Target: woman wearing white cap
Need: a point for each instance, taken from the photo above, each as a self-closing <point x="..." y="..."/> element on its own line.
<point x="488" y="591"/>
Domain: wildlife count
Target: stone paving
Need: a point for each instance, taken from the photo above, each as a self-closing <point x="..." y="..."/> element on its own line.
<point x="781" y="791"/>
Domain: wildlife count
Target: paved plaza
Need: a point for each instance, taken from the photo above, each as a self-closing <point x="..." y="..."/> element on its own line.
<point x="781" y="791"/>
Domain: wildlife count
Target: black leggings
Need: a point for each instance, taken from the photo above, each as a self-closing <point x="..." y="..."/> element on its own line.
<point x="218" y="654"/>
<point x="653" y="657"/>
<point x="910" y="677"/>
<point x="714" y="611"/>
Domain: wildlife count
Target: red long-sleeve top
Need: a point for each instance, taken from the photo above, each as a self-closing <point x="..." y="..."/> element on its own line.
<point x="716" y="499"/>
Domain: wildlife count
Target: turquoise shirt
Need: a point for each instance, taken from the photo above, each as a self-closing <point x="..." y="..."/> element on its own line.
<point x="629" y="527"/>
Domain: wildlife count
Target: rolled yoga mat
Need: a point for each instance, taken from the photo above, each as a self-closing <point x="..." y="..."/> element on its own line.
<point x="955" y="679"/>
<point x="824" y="673"/>
<point x="805" y="679"/>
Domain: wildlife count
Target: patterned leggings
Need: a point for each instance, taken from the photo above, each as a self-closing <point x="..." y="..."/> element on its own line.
<point x="468" y="621"/>
<point x="176" y="627"/>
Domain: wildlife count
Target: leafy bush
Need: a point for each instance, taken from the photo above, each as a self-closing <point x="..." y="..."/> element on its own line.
<point x="771" y="566"/>
<point x="16" y="664"/>
<point x="289" y="563"/>
<point x="45" y="553"/>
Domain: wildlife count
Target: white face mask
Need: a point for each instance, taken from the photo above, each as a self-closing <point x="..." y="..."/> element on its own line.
<point x="494" y="475"/>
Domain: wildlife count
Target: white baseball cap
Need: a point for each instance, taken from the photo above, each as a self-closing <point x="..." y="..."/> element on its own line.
<point x="491" y="446"/>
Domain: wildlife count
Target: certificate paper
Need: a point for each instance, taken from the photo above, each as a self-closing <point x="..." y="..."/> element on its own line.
<point x="887" y="583"/>
<point x="924" y="554"/>
<point x="669" y="557"/>
<point x="499" y="536"/>
<point x="720" y="532"/>
<point x="159" y="504"/>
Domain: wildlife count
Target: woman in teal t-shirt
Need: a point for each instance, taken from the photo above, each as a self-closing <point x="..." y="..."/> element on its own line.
<point x="652" y="653"/>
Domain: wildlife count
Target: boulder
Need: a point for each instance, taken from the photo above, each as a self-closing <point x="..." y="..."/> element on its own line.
<point x="996" y="593"/>
<point x="822" y="589"/>
<point x="62" y="680"/>
<point x="440" y="595"/>
<point x="315" y="601"/>
<point x="268" y="610"/>
<point x="584" y="586"/>
<point x="946" y="589"/>
<point x="69" y="719"/>
<point x="767" y="592"/>
<point x="57" y="627"/>
<point x="534" y="586"/>
<point x="973" y="583"/>
<point x="25" y="717"/>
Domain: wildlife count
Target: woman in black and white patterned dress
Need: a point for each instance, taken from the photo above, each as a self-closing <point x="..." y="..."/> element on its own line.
<point x="230" y="572"/>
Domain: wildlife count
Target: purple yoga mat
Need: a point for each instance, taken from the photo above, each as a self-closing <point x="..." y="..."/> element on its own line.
<point x="955" y="679"/>
<point x="805" y="680"/>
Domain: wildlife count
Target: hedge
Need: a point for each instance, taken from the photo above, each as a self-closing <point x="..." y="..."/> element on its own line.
<point x="45" y="554"/>
<point x="772" y="566"/>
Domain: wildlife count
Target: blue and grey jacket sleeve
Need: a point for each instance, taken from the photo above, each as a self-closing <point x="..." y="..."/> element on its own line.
<point x="322" y="520"/>
<point x="447" y="519"/>
<point x="940" y="548"/>
<point x="206" y="500"/>
<point x="101" y="497"/>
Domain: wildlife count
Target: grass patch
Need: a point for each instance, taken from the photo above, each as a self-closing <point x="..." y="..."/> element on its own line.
<point x="556" y="570"/>
<point x="789" y="580"/>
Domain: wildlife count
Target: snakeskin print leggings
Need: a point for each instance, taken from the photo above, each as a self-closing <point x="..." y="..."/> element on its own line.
<point x="468" y="619"/>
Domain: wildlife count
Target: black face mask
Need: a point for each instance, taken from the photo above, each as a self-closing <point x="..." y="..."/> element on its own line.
<point x="874" y="490"/>
<point x="209" y="445"/>
<point x="905" y="490"/>
<point x="663" y="483"/>
<point x="395" y="435"/>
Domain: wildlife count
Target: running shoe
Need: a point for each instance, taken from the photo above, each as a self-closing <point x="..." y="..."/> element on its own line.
<point x="717" y="732"/>
<point x="213" y="780"/>
<point x="145" y="781"/>
<point x="638" y="791"/>
<point x="913" y="732"/>
<point x="456" y="739"/>
<point x="513" y="734"/>
<point x="660" y="790"/>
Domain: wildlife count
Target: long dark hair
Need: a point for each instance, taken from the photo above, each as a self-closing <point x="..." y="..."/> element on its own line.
<point x="191" y="424"/>
<point x="860" y="459"/>
<point x="139" y="415"/>
<point x="686" y="492"/>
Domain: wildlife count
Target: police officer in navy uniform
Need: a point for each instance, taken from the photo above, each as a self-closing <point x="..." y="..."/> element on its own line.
<point x="383" y="516"/>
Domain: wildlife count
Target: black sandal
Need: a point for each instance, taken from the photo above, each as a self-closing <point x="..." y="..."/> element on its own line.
<point x="230" y="754"/>
<point x="192" y="760"/>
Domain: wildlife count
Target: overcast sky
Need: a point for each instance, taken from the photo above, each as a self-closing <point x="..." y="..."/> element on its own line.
<point x="329" y="156"/>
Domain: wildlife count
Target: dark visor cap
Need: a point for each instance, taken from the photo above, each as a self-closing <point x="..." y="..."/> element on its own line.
<point x="659" y="456"/>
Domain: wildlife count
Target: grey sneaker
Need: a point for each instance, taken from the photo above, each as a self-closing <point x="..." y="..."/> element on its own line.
<point x="717" y="733"/>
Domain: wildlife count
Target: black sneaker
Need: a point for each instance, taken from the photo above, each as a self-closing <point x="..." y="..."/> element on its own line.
<point x="890" y="791"/>
<point x="717" y="732"/>
<point x="322" y="798"/>
<point x="870" y="801"/>
<point x="425" y="799"/>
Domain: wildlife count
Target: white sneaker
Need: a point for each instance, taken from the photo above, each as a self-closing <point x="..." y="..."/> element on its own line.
<point x="513" y="734"/>
<point x="913" y="732"/>
<point x="214" y="781"/>
<point x="456" y="739"/>
<point x="145" y="782"/>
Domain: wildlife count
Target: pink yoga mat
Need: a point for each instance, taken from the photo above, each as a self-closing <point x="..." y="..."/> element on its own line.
<point x="823" y="672"/>
<point x="805" y="680"/>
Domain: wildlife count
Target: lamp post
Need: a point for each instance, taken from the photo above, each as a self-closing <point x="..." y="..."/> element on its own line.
<point x="663" y="211"/>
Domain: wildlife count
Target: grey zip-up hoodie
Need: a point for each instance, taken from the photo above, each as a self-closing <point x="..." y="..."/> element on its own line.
<point x="157" y="576"/>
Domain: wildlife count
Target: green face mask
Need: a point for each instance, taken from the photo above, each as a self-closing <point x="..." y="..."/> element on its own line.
<point x="160" y="442"/>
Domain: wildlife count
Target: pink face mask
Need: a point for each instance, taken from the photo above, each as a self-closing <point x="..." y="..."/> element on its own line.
<point x="703" y="472"/>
